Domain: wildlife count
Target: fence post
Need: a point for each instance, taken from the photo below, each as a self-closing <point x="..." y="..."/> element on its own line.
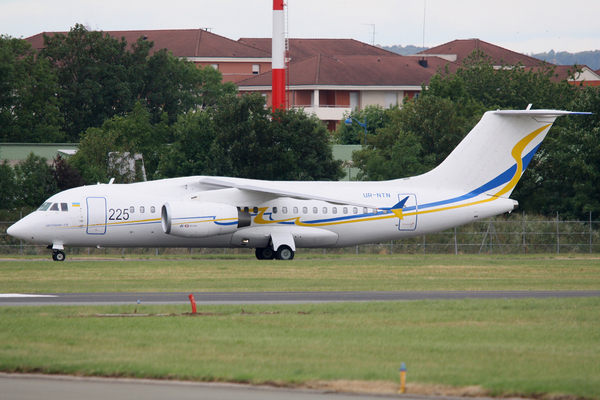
<point x="423" y="244"/>
<point x="557" y="235"/>
<point x="524" y="244"/>
<point x="590" y="232"/>
<point x="455" y="243"/>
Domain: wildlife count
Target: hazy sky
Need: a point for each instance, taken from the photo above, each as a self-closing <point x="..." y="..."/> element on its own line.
<point x="522" y="25"/>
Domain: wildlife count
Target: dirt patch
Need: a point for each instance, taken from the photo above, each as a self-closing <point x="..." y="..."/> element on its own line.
<point x="383" y="387"/>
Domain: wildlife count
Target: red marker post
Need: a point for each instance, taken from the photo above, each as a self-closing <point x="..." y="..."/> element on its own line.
<point x="193" y="301"/>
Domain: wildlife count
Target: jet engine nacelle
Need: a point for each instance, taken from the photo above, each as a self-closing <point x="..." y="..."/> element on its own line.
<point x="196" y="219"/>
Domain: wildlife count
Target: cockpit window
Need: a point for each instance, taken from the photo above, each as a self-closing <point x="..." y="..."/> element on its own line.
<point x="64" y="207"/>
<point x="45" y="206"/>
<point x="54" y="207"/>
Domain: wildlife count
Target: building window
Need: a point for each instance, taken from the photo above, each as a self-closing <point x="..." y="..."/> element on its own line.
<point x="215" y="66"/>
<point x="255" y="69"/>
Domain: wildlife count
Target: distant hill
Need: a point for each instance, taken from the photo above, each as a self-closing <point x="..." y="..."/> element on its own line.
<point x="404" y="51"/>
<point x="589" y="58"/>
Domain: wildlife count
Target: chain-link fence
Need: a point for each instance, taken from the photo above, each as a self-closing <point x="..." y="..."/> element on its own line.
<point x="516" y="233"/>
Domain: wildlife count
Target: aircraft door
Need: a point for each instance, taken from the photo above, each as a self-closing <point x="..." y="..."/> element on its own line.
<point x="96" y="215"/>
<point x="409" y="212"/>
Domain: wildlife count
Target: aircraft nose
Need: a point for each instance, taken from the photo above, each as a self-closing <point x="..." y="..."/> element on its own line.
<point x="18" y="230"/>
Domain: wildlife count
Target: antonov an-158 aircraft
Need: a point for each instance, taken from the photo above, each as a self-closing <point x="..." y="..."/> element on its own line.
<point x="276" y="218"/>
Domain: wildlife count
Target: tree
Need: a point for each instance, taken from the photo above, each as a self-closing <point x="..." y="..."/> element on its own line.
<point x="567" y="177"/>
<point x="391" y="153"/>
<point x="240" y="137"/>
<point x="133" y="134"/>
<point x="8" y="186"/>
<point x="182" y="86"/>
<point x="479" y="84"/>
<point x="29" y="108"/>
<point x="65" y="176"/>
<point x="94" y="76"/>
<point x="34" y="181"/>
<point x="100" y="77"/>
<point x="376" y="117"/>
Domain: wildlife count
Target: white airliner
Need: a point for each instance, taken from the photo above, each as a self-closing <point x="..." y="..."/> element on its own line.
<point x="276" y="218"/>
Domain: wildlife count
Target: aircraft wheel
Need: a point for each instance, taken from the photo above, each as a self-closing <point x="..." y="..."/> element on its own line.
<point x="265" y="253"/>
<point x="284" y="253"/>
<point x="58" y="255"/>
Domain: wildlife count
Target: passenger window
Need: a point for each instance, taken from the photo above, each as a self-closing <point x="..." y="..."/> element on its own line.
<point x="385" y="211"/>
<point x="304" y="210"/>
<point x="152" y="209"/>
<point x="246" y="209"/>
<point x="355" y="210"/>
<point x="274" y="210"/>
<point x="64" y="207"/>
<point x="255" y="210"/>
<point x="54" y="207"/>
<point x="142" y="209"/>
<point x="45" y="206"/>
<point x="284" y="210"/>
<point x="375" y="211"/>
<point x="131" y="209"/>
<point x="345" y="210"/>
<point x="295" y="210"/>
<point x="315" y="210"/>
<point x="365" y="210"/>
<point x="324" y="210"/>
<point x="334" y="210"/>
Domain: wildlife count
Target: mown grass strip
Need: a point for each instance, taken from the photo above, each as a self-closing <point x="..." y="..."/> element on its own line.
<point x="386" y="273"/>
<point x="525" y="347"/>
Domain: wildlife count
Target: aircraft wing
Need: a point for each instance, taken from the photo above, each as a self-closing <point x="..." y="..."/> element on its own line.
<point x="279" y="189"/>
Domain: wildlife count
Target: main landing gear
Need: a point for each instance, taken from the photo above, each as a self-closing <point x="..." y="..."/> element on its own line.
<point x="58" y="255"/>
<point x="284" y="252"/>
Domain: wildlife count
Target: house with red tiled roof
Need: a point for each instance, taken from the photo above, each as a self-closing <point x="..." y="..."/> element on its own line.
<point x="458" y="50"/>
<point x="304" y="48"/>
<point x="331" y="86"/>
<point x="234" y="59"/>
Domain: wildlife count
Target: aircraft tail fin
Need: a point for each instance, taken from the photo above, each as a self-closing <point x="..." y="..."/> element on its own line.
<point x="493" y="156"/>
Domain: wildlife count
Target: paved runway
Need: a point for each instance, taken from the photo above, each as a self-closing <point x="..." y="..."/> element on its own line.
<point x="53" y="387"/>
<point x="203" y="298"/>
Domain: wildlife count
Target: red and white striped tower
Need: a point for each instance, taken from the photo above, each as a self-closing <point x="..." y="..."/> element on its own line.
<point x="278" y="56"/>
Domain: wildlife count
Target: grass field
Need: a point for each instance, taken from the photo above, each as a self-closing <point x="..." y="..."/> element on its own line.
<point x="365" y="273"/>
<point x="507" y="347"/>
